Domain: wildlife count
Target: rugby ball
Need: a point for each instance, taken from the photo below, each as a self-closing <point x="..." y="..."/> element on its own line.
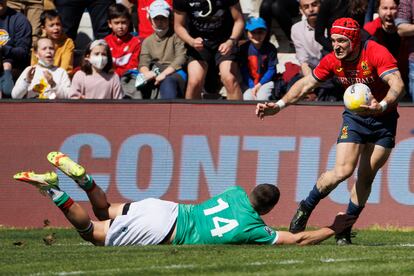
<point x="356" y="95"/>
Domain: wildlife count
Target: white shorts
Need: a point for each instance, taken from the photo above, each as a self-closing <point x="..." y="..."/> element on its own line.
<point x="147" y="222"/>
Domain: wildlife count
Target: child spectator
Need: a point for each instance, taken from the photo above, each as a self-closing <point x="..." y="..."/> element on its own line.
<point x="42" y="80"/>
<point x="64" y="46"/>
<point x="96" y="80"/>
<point x="259" y="62"/>
<point x="144" y="24"/>
<point x="125" y="48"/>
<point x="165" y="51"/>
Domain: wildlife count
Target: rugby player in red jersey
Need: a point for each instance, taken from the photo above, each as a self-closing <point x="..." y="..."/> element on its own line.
<point x="369" y="135"/>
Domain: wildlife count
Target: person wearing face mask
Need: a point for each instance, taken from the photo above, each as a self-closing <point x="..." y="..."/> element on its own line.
<point x="96" y="80"/>
<point x="165" y="51"/>
<point x="42" y="80"/>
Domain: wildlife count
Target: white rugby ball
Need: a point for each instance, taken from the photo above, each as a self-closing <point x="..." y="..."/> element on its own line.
<point x="356" y="95"/>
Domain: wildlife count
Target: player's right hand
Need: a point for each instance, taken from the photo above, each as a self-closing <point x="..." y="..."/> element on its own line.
<point x="266" y="109"/>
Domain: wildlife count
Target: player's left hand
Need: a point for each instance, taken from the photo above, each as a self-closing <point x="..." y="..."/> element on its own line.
<point x="372" y="109"/>
<point x="225" y="47"/>
<point x="342" y="221"/>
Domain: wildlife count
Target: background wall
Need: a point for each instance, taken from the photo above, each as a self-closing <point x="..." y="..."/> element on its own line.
<point x="187" y="152"/>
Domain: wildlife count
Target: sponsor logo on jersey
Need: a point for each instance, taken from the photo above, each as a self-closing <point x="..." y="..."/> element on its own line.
<point x="339" y="69"/>
<point x="365" y="68"/>
<point x="344" y="132"/>
<point x="268" y="230"/>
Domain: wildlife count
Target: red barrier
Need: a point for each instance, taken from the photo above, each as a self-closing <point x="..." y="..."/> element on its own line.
<point x="187" y="152"/>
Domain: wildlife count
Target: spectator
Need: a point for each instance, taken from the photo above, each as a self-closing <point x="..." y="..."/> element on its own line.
<point x="42" y="80"/>
<point x="405" y="25"/>
<point x="96" y="80"/>
<point x="212" y="33"/>
<point x="163" y="50"/>
<point x="282" y="10"/>
<point x="6" y="80"/>
<point x="71" y="12"/>
<point x="331" y="10"/>
<point x="125" y="48"/>
<point x="309" y="52"/>
<point x="32" y="9"/>
<point x="64" y="46"/>
<point x="144" y="24"/>
<point x="384" y="29"/>
<point x="259" y="59"/>
<point x="16" y="39"/>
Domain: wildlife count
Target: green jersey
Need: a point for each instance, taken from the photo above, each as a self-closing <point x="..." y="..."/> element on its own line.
<point x="227" y="218"/>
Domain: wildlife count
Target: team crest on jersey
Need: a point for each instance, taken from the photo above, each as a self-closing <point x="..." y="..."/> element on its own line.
<point x="268" y="230"/>
<point x="339" y="69"/>
<point x="344" y="132"/>
<point x="365" y="68"/>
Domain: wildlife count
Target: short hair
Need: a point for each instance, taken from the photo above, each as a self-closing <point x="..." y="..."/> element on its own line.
<point x="378" y="2"/>
<point x="48" y="14"/>
<point x="36" y="45"/>
<point x="264" y="197"/>
<point x="117" y="11"/>
<point x="86" y="66"/>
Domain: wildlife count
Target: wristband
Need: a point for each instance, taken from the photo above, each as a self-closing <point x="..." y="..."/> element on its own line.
<point x="383" y="105"/>
<point x="281" y="104"/>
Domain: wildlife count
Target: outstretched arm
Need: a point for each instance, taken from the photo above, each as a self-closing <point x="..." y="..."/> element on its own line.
<point x="302" y="87"/>
<point x="341" y="222"/>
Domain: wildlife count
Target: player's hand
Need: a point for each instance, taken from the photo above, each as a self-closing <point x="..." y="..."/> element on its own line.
<point x="341" y="222"/>
<point x="225" y="47"/>
<point x="30" y="74"/>
<point x="198" y="44"/>
<point x="266" y="109"/>
<point x="49" y="78"/>
<point x="372" y="109"/>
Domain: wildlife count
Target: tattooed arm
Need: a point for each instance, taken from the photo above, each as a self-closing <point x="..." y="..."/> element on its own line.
<point x="396" y="91"/>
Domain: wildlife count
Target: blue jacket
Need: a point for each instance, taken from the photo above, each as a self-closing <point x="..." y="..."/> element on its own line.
<point x="258" y="65"/>
<point x="17" y="49"/>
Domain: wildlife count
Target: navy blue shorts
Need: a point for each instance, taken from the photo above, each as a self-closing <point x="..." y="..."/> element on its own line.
<point x="362" y="130"/>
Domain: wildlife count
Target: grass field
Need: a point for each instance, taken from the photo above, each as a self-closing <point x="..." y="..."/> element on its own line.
<point x="375" y="252"/>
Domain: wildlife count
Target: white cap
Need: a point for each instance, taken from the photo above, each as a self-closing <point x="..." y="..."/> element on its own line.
<point x="159" y="7"/>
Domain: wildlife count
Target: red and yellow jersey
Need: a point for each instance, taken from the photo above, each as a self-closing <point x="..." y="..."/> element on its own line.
<point x="373" y="63"/>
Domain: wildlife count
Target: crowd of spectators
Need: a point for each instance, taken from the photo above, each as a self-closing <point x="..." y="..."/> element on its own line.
<point x="165" y="49"/>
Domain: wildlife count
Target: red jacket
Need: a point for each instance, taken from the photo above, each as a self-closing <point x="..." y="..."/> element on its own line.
<point x="125" y="52"/>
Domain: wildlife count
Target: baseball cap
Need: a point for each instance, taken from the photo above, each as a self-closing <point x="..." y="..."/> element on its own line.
<point x="254" y="23"/>
<point x="159" y="7"/>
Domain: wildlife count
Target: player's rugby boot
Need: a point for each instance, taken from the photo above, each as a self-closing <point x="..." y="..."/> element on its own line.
<point x="344" y="238"/>
<point x="299" y="220"/>
<point x="66" y="165"/>
<point x="43" y="182"/>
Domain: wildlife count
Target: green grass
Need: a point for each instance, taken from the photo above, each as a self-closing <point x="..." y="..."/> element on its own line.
<point x="23" y="252"/>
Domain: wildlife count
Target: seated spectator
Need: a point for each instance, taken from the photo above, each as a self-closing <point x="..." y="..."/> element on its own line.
<point x="42" y="80"/>
<point x="71" y="12"/>
<point x="96" y="80"/>
<point x="144" y="24"/>
<point x="163" y="50"/>
<point x="383" y="28"/>
<point x="6" y="80"/>
<point x="212" y="37"/>
<point x="32" y="9"/>
<point x="309" y="52"/>
<point x="259" y="59"/>
<point x="64" y="46"/>
<point x="16" y="39"/>
<point x="125" y="48"/>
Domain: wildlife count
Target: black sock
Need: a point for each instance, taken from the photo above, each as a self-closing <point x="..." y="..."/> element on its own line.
<point x="354" y="209"/>
<point x="313" y="199"/>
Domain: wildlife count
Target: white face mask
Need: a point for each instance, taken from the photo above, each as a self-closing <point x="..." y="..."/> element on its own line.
<point x="43" y="63"/>
<point x="98" y="62"/>
<point x="161" y="32"/>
